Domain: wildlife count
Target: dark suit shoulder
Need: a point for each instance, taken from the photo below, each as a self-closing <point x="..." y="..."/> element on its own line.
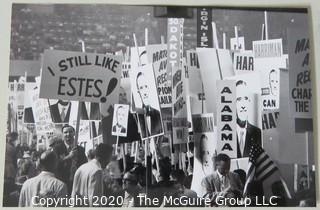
<point x="253" y="129"/>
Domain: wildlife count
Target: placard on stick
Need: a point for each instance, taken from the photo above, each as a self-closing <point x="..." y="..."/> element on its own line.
<point x="146" y="100"/>
<point x="120" y="120"/>
<point x="268" y="59"/>
<point x="80" y="76"/>
<point x="157" y="54"/>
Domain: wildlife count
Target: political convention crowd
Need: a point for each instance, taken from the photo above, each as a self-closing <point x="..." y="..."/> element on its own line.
<point x="98" y="178"/>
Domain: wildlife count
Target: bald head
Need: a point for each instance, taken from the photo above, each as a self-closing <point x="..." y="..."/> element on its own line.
<point x="48" y="161"/>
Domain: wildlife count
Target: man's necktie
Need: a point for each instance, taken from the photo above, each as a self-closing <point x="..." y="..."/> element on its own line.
<point x="223" y="182"/>
<point x="63" y="114"/>
<point x="241" y="141"/>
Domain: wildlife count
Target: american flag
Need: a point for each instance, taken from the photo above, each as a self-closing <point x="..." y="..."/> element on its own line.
<point x="260" y="166"/>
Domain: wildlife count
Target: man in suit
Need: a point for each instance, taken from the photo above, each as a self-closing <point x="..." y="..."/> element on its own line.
<point x="222" y="183"/>
<point x="71" y="156"/>
<point x="120" y="126"/>
<point x="60" y="111"/>
<point x="247" y="134"/>
<point x="88" y="180"/>
<point x="151" y="115"/>
<point x="45" y="185"/>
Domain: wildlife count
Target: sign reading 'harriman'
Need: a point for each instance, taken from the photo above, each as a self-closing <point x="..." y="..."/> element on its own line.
<point x="80" y="76"/>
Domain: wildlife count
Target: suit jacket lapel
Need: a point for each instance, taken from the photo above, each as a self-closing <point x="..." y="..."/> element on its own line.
<point x="248" y="140"/>
<point x="66" y="119"/>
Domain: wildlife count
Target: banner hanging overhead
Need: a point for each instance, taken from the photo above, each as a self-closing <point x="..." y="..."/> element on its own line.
<point x="204" y="27"/>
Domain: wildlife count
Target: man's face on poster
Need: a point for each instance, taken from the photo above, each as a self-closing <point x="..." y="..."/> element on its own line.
<point x="121" y="115"/>
<point x="204" y="153"/>
<point x="143" y="89"/>
<point x="123" y="96"/>
<point x="68" y="135"/>
<point x="274" y="82"/>
<point x="242" y="102"/>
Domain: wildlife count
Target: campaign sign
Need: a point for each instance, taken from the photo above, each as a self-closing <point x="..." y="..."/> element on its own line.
<point x="157" y="54"/>
<point x="268" y="59"/>
<point x="299" y="74"/>
<point x="243" y="62"/>
<point x="80" y="76"/>
<point x="226" y="118"/>
<point x="120" y="120"/>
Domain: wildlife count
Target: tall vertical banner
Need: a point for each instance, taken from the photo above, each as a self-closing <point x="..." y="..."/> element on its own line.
<point x="226" y="118"/>
<point x="20" y="92"/>
<point x="177" y="76"/>
<point x="204" y="27"/>
<point x="158" y="56"/>
<point x="175" y="44"/>
<point x="268" y="59"/>
<point x="299" y="74"/>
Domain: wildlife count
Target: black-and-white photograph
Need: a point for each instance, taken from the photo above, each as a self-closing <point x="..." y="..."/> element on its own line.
<point x="120" y="120"/>
<point x="158" y="106"/>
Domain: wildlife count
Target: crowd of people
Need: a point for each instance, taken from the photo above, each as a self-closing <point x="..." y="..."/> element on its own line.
<point x="65" y="171"/>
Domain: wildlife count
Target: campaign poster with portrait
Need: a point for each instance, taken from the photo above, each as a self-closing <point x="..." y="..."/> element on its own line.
<point x="268" y="59"/>
<point x="146" y="101"/>
<point x="205" y="144"/>
<point x="120" y="120"/>
<point x="248" y="107"/>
